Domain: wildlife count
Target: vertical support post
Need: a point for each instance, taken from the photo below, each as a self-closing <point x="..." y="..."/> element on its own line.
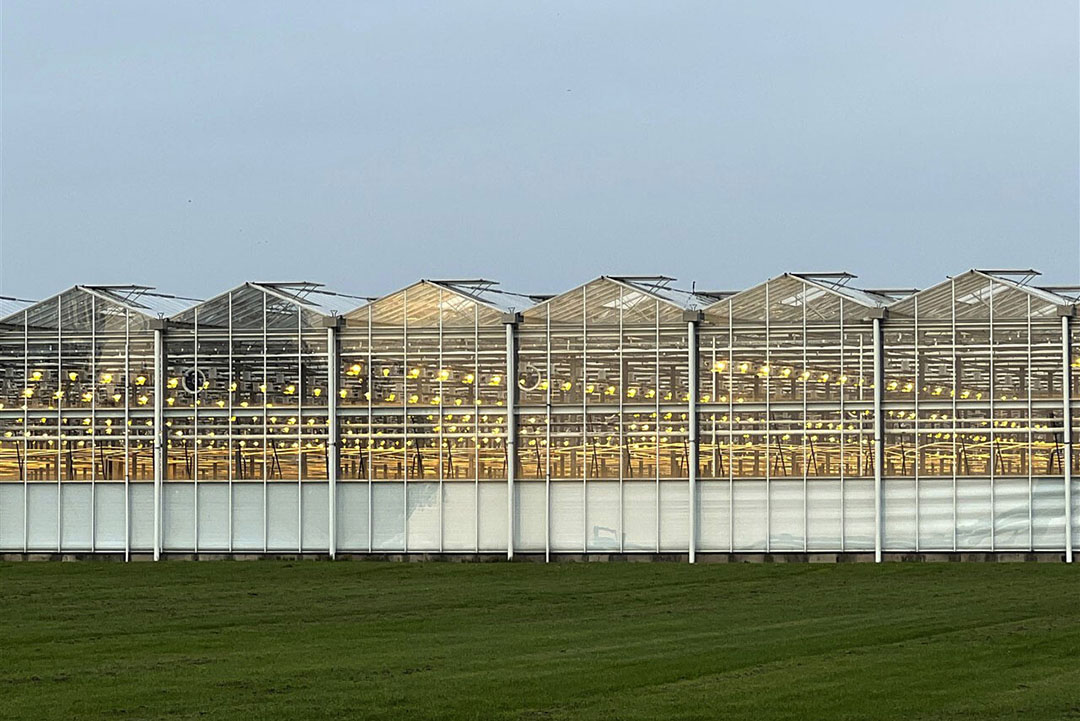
<point x="1066" y="393"/>
<point x="127" y="435"/>
<point x="333" y="370"/>
<point x="879" y="434"/>
<point x="59" y="425"/>
<point x="159" y="428"/>
<point x="692" y="318"/>
<point x="547" y="436"/>
<point x="93" y="424"/>
<point x="195" y="391"/>
<point x="300" y="465"/>
<point x="511" y="320"/>
<point x="25" y="471"/>
<point x="232" y="441"/>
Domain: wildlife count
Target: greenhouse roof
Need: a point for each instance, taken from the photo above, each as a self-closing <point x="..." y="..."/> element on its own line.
<point x="796" y="296"/>
<point x="487" y="292"/>
<point x="1013" y="291"/>
<point x="10" y="306"/>
<point x="142" y="299"/>
<point x="314" y="296"/>
<point x="627" y="291"/>
<point x="975" y="291"/>
<point x="660" y="287"/>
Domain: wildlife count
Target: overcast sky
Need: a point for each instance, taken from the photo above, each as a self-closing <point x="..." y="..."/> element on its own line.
<point x="192" y="146"/>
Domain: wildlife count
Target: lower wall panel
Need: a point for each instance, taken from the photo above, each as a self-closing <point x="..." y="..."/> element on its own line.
<point x="422" y="516"/>
<point x="42" y="532"/>
<point x="859" y="526"/>
<point x="178" y="516"/>
<point x="899" y="515"/>
<point x="1048" y="513"/>
<point x="1076" y="514"/>
<point x="1012" y="509"/>
<point x="530" y="516"/>
<point x="91" y="517"/>
<point x="141" y="508"/>
<point x="110" y="518"/>
<point x="602" y="517"/>
<point x="491" y="524"/>
<point x="12" y="527"/>
<point x="714" y="516"/>
<point x="824" y="514"/>
<point x="783" y="515"/>
<point x="974" y="514"/>
<point x="567" y="516"/>
<point x="352" y="516"/>
<point x="936" y="514"/>
<point x="639" y="516"/>
<point x="315" y="516"/>
<point x="787" y="522"/>
<point x="750" y="515"/>
<point x="282" y="517"/>
<point x="77" y="516"/>
<point x="214" y="519"/>
<point x="387" y="516"/>
<point x="459" y="516"/>
<point x="248" y="529"/>
<point x="675" y="516"/>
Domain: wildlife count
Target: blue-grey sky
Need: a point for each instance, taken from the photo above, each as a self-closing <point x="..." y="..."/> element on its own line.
<point x="196" y="145"/>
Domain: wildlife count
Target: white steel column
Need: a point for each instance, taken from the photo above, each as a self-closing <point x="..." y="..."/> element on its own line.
<point x="511" y="320"/>
<point x="547" y="436"/>
<point x="25" y="470"/>
<point x="195" y="391"/>
<point x="127" y="435"/>
<point x="879" y="436"/>
<point x="692" y="317"/>
<point x="159" y="429"/>
<point x="332" y="371"/>
<point x="1066" y="393"/>
<point x="59" y="424"/>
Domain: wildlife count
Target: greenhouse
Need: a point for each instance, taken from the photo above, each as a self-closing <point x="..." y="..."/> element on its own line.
<point x="625" y="417"/>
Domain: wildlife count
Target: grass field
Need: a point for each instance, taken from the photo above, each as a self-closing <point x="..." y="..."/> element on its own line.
<point x="316" y="640"/>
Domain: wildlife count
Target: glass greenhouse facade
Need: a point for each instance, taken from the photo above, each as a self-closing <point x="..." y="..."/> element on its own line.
<point x="625" y="416"/>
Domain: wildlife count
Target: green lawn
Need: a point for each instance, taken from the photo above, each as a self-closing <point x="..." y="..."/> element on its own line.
<point x="314" y="640"/>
